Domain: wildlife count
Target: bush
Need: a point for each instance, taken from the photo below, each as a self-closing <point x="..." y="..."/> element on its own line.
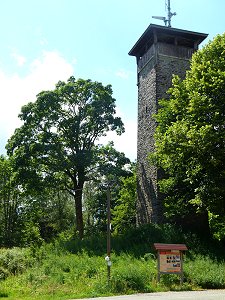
<point x="14" y="261"/>
<point x="205" y="272"/>
<point x="130" y="274"/>
<point x="4" y="273"/>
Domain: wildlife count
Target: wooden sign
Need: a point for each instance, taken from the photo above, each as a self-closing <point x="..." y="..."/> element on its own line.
<point x="170" y="259"/>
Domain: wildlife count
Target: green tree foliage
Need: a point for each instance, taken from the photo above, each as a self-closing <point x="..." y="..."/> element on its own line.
<point x="45" y="215"/>
<point x="190" y="137"/>
<point x="113" y="166"/>
<point x="10" y="202"/>
<point x="56" y="143"/>
<point x="124" y="212"/>
<point x="28" y="217"/>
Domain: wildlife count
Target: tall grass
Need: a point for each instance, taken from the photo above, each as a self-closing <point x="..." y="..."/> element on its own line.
<point x="69" y="268"/>
<point x="130" y="274"/>
<point x="205" y="272"/>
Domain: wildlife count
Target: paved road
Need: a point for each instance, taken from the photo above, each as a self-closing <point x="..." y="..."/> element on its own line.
<point x="197" y="295"/>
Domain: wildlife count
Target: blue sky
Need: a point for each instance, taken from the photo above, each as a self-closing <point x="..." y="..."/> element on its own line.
<point x="44" y="41"/>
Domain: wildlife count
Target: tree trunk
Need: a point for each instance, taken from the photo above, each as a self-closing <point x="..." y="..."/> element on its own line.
<point x="78" y="212"/>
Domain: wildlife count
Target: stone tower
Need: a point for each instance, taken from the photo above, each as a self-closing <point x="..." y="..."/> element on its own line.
<point x="160" y="52"/>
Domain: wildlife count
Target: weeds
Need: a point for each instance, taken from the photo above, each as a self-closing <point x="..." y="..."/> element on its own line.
<point x="14" y="261"/>
<point x="130" y="274"/>
<point x="205" y="272"/>
<point x="69" y="269"/>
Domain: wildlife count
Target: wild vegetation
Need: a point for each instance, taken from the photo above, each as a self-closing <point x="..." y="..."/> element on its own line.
<point x="69" y="268"/>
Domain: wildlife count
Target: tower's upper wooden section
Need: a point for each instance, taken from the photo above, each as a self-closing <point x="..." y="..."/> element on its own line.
<point x="161" y="34"/>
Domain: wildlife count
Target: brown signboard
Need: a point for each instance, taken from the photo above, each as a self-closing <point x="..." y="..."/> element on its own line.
<point x="170" y="258"/>
<point x="170" y="261"/>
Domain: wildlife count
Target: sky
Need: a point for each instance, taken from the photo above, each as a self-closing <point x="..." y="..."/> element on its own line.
<point x="44" y="41"/>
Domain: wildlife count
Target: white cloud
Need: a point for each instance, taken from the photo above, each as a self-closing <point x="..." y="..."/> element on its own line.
<point x="20" y="60"/>
<point x="43" y="41"/>
<point x="123" y="74"/>
<point x="74" y="61"/>
<point x="16" y="91"/>
<point x="47" y="70"/>
<point x="38" y="31"/>
<point x="127" y="142"/>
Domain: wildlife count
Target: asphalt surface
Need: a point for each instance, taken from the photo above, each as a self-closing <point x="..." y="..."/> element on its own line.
<point x="196" y="295"/>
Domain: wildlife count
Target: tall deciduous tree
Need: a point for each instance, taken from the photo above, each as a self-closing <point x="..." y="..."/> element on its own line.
<point x="59" y="133"/>
<point x="190" y="137"/>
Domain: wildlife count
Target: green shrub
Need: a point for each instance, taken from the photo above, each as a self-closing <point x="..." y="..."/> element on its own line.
<point x="205" y="272"/>
<point x="4" y="273"/>
<point x="3" y="295"/>
<point x="130" y="274"/>
<point x="14" y="261"/>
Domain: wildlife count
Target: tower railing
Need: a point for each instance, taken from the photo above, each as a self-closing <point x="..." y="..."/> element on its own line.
<point x="165" y="49"/>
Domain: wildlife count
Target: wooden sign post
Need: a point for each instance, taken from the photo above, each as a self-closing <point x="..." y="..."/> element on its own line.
<point x="170" y="259"/>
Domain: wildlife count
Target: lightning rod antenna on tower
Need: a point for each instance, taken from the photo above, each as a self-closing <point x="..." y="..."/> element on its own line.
<point x="167" y="20"/>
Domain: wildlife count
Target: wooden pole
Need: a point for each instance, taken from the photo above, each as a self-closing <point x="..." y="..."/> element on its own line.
<point x="108" y="233"/>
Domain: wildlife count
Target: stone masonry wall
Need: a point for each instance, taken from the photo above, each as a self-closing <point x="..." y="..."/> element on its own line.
<point x="154" y="79"/>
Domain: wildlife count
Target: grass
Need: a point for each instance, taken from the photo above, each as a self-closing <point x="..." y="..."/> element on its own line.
<point x="71" y="269"/>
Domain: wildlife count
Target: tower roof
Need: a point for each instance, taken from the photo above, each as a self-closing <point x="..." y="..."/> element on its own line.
<point x="167" y="35"/>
